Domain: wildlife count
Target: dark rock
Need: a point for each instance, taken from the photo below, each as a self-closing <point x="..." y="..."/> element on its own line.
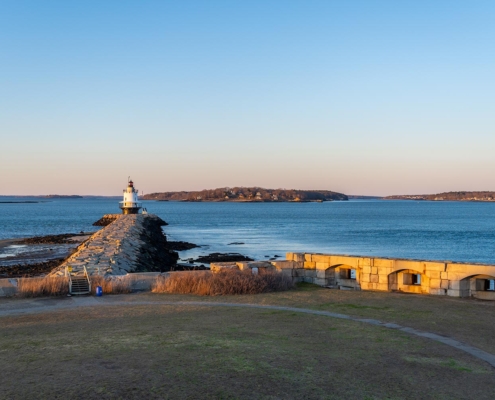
<point x="20" y="202"/>
<point x="52" y="239"/>
<point x="106" y="220"/>
<point x="158" y="256"/>
<point x="29" y="270"/>
<point x="235" y="243"/>
<point x="181" y="246"/>
<point x="222" y="257"/>
<point x="184" y="267"/>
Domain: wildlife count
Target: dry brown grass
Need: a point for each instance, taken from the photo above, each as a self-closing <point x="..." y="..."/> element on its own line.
<point x="110" y="285"/>
<point x="224" y="282"/>
<point x="59" y="286"/>
<point x="194" y="352"/>
<point x="46" y="286"/>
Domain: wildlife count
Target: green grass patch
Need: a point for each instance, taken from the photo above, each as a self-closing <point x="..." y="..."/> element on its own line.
<point x="307" y="287"/>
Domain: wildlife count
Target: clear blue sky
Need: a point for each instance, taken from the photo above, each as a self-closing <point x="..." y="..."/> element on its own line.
<point x="361" y="97"/>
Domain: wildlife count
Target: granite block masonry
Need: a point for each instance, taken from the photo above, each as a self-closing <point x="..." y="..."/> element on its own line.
<point x="382" y="274"/>
<point x="129" y="243"/>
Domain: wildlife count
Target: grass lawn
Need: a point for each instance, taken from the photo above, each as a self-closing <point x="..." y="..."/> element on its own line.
<point x="163" y="351"/>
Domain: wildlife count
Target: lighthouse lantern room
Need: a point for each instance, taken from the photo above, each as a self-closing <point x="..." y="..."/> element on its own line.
<point x="130" y="203"/>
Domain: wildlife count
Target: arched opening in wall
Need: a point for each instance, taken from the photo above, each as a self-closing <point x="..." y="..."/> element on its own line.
<point x="408" y="281"/>
<point x="344" y="277"/>
<point x="478" y="286"/>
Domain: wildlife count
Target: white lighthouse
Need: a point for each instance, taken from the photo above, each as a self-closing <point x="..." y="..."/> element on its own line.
<point x="130" y="203"/>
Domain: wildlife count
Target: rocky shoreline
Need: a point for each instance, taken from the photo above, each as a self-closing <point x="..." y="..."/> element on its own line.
<point x="30" y="270"/>
<point x="37" y="255"/>
<point x="147" y="251"/>
<point x="181" y="246"/>
<point x="65" y="238"/>
<point x="156" y="256"/>
<point x="222" y="257"/>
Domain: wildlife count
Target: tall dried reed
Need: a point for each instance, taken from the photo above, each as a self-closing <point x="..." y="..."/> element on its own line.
<point x="110" y="285"/>
<point x="224" y="282"/>
<point x="46" y="286"/>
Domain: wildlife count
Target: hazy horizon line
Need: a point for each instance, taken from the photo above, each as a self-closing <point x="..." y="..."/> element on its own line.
<point x="260" y="187"/>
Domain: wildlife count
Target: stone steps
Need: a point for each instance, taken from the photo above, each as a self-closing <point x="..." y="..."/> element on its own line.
<point x="80" y="285"/>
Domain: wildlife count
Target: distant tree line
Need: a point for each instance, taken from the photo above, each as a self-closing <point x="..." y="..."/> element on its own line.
<point x="448" y="196"/>
<point x="249" y="194"/>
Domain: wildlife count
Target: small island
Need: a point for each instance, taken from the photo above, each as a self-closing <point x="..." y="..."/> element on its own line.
<point x="249" y="194"/>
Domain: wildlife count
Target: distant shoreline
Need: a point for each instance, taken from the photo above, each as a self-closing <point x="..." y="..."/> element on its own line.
<point x="482" y="196"/>
<point x="22" y="202"/>
<point x="258" y="195"/>
<point x="444" y="201"/>
<point x="249" y="195"/>
<point x="244" y="201"/>
<point x="61" y="197"/>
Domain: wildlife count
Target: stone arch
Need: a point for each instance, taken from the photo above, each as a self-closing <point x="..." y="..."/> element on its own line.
<point x="343" y="276"/>
<point x="412" y="267"/>
<point x="475" y="273"/>
<point x="408" y="281"/>
<point x="478" y="286"/>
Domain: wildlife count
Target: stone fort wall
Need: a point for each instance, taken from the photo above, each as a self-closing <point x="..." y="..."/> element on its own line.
<point x="344" y="272"/>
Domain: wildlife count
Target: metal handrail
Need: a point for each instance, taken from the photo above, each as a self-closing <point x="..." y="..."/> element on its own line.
<point x="87" y="277"/>
<point x="70" y="279"/>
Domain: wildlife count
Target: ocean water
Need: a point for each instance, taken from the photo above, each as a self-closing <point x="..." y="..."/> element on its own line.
<point x="453" y="231"/>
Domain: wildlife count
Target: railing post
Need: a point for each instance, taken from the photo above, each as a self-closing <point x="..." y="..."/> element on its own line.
<point x="87" y="278"/>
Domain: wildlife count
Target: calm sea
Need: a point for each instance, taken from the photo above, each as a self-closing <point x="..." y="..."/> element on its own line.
<point x="421" y="230"/>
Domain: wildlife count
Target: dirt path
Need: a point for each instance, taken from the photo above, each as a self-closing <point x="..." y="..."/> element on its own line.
<point x="23" y="307"/>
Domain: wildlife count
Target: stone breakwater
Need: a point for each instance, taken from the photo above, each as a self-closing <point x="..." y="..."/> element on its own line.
<point x="129" y="243"/>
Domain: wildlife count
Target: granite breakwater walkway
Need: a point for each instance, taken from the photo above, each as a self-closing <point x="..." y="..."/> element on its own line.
<point x="129" y="243"/>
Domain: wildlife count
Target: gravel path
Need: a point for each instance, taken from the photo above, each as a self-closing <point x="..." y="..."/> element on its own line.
<point x="22" y="307"/>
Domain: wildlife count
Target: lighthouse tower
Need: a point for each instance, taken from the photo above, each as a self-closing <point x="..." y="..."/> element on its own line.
<point x="130" y="204"/>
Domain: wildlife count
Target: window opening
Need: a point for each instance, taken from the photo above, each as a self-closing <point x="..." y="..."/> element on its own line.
<point x="348" y="273"/>
<point x="412" y="279"/>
